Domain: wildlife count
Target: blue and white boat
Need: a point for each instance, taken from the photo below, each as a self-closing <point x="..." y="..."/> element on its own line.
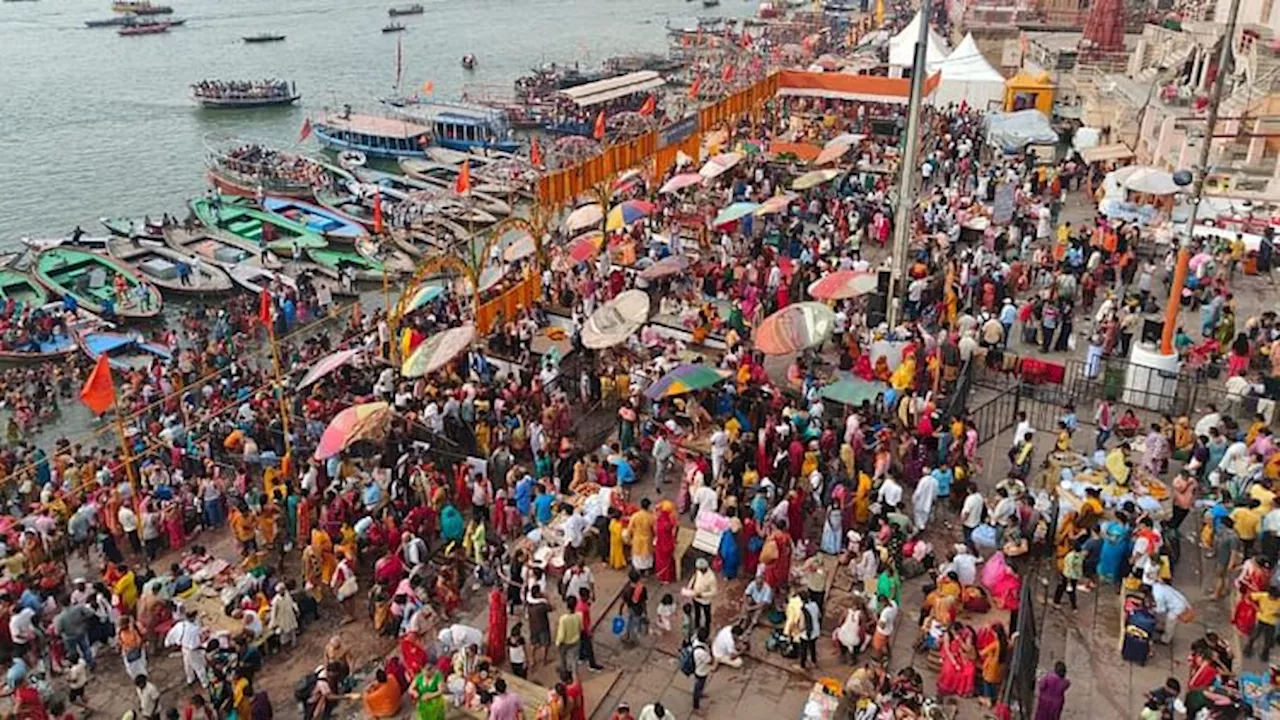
<point x="328" y="223"/>
<point x="374" y="135"/>
<point x="124" y="351"/>
<point x="462" y="126"/>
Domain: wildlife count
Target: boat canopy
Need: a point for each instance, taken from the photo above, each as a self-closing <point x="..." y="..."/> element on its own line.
<point x="375" y="125"/>
<point x="603" y="91"/>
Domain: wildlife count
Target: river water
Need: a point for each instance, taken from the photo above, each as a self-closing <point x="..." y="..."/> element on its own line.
<point x="93" y="124"/>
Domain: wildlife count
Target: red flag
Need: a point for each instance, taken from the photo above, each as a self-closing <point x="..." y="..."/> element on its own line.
<point x="746" y="39"/>
<point x="264" y="308"/>
<point x="306" y="130"/>
<point x="727" y="75"/>
<point x="535" y="153"/>
<point x="377" y="213"/>
<point x="598" y="133"/>
<point x="693" y="89"/>
<point x="99" y="392"/>
<point x="649" y="106"/>
<point x="462" y="185"/>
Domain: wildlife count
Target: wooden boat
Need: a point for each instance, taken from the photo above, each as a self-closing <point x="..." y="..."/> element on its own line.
<point x="110" y="22"/>
<point x="339" y="259"/>
<point x="158" y="263"/>
<point x="223" y="250"/>
<point x="240" y="101"/>
<point x="130" y="227"/>
<point x="395" y="260"/>
<point x="19" y="287"/>
<point x="710" y="3"/>
<point x="61" y="343"/>
<point x="90" y="279"/>
<point x="468" y="62"/>
<point x="250" y="224"/>
<point x="328" y="223"/>
<point x="262" y="38"/>
<point x="441" y="177"/>
<point x="125" y="351"/>
<point x="144" y="29"/>
<point x="393" y="28"/>
<point x="254" y="278"/>
<point x="414" y="9"/>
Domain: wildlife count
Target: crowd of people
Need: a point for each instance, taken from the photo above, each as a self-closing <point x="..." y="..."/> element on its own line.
<point x="247" y="89"/>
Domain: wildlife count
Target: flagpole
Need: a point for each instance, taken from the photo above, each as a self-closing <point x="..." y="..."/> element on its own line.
<point x="124" y="443"/>
<point x="279" y="387"/>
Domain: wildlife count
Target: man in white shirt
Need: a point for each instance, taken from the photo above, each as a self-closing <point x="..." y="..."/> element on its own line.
<point x="129" y="524"/>
<point x="724" y="648"/>
<point x="1005" y="507"/>
<point x="922" y="499"/>
<point x="189" y="636"/>
<point x="577" y="578"/>
<point x="575" y="529"/>
<point x="705" y="499"/>
<point x="890" y="493"/>
<point x="1170" y="603"/>
<point x="964" y="564"/>
<point x="1024" y="427"/>
<point x="719" y="448"/>
<point x="971" y="512"/>
<point x="1211" y="419"/>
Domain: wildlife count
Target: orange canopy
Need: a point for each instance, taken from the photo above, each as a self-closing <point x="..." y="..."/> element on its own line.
<point x="842" y="86"/>
<point x="804" y="152"/>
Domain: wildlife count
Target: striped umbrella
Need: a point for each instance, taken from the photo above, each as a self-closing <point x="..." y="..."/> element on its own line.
<point x="680" y="182"/>
<point x="843" y="284"/>
<point x="627" y="213"/>
<point x="326" y="365"/>
<point x="357" y="422"/>
<point x="585" y="247"/>
<point x="794" y="328"/>
<point x="685" y="379"/>
<point x="436" y="351"/>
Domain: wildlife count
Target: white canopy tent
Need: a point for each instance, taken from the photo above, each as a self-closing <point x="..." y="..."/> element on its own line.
<point x="968" y="76"/>
<point x="902" y="47"/>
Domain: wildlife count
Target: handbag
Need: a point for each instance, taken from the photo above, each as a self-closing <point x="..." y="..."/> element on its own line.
<point x="133" y="655"/>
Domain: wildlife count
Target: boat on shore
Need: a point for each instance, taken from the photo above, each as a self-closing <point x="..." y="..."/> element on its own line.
<point x="395" y="260"/>
<point x="262" y="38"/>
<point x="90" y="278"/>
<point x="150" y="28"/>
<point x="140" y="7"/>
<point x="461" y="126"/>
<point x="162" y="266"/>
<point x="125" y="351"/>
<point x="256" y="227"/>
<point x="392" y="28"/>
<point x="227" y="252"/>
<point x="247" y="167"/>
<point x="21" y="288"/>
<point x="328" y="223"/>
<point x="441" y="177"/>
<point x="414" y="9"/>
<point x="218" y="95"/>
<point x="56" y="345"/>
<point x="339" y="259"/>
<point x="133" y="228"/>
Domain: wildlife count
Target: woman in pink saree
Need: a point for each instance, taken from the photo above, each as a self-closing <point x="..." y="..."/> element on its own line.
<point x="664" y="546"/>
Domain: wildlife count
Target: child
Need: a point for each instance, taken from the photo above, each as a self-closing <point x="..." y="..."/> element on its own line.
<point x="77" y="678"/>
<point x="516" y="651"/>
<point x="687" y="625"/>
<point x="666" y="609"/>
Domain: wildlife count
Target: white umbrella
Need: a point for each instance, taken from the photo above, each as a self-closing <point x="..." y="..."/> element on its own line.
<point x="716" y="166"/>
<point x="584" y="217"/>
<point x="1151" y="181"/>
<point x="616" y="320"/>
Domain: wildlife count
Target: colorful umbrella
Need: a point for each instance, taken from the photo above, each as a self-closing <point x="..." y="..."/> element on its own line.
<point x="794" y="328"/>
<point x="436" y="351"/>
<point x="357" y="422"/>
<point x="718" y="165"/>
<point x="326" y="365"/>
<point x="843" y="284"/>
<point x="669" y="265"/>
<point x="682" y="181"/>
<point x="423" y="296"/>
<point x="627" y="213"/>
<point x="814" y="178"/>
<point x="831" y="153"/>
<point x="584" y="247"/>
<point x="519" y="249"/>
<point x="584" y="217"/>
<point x="685" y="378"/>
<point x="777" y="204"/>
<point x="734" y="212"/>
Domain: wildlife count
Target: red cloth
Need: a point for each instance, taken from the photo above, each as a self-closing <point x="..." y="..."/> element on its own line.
<point x="664" y="548"/>
<point x="497" y="631"/>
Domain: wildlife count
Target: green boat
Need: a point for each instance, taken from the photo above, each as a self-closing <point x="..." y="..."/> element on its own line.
<point x="337" y="257"/>
<point x="21" y="289"/>
<point x="248" y="223"/>
<point x="90" y="278"/>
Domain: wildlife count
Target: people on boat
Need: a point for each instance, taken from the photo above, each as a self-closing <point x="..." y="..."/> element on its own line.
<point x="243" y="89"/>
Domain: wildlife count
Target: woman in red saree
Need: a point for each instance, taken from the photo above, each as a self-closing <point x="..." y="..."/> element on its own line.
<point x="412" y="653"/>
<point x="777" y="560"/>
<point x="1202" y="669"/>
<point x="1254" y="576"/>
<point x="496" y="640"/>
<point x="751" y="543"/>
<point x="664" y="547"/>
<point x="795" y="516"/>
<point x="958" y="671"/>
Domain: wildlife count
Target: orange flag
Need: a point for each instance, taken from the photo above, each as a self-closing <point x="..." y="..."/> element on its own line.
<point x="99" y="392"/>
<point x="306" y="130"/>
<point x="377" y="213"/>
<point x="649" y="106"/>
<point x="598" y="133"/>
<point x="462" y="185"/>
<point x="428" y="88"/>
<point x="264" y="308"/>
<point x="693" y="89"/>
<point x="535" y="153"/>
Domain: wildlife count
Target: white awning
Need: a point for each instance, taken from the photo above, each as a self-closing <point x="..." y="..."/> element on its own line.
<point x="613" y="88"/>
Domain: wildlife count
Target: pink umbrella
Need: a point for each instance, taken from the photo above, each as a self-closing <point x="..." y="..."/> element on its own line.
<point x="843" y="284"/>
<point x="1199" y="260"/>
<point x="585" y="247"/>
<point x="680" y="182"/>
<point x="669" y="265"/>
<point x="357" y="422"/>
<point x="326" y="365"/>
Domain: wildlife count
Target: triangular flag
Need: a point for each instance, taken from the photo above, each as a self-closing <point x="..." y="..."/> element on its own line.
<point x="306" y="130"/>
<point x="727" y="75"/>
<point x="693" y="89"/>
<point x="650" y="105"/>
<point x="99" y="392"/>
<point x="428" y="88"/>
<point x="462" y="185"/>
<point x="264" y="308"/>
<point x="598" y="133"/>
<point x="377" y="213"/>
<point x="535" y="154"/>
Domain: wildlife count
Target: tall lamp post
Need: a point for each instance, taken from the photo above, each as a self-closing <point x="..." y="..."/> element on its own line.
<point x="906" y="181"/>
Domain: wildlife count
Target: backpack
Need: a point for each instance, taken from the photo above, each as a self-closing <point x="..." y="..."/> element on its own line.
<point x="305" y="687"/>
<point x="687" y="664"/>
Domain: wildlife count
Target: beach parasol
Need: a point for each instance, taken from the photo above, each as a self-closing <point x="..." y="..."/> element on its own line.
<point x="616" y="320"/>
<point x="669" y="265"/>
<point x="794" y="328"/>
<point x="684" y="379"/>
<point x="423" y="296"/>
<point x="436" y="351"/>
<point x="358" y="422"/>
<point x="584" y="217"/>
<point x="735" y="211"/>
<point x="716" y="166"/>
<point x="326" y="365"/>
<point x="831" y="153"/>
<point x="814" y="178"/>
<point x="843" y="284"/>
<point x="627" y="213"/>
<point x="1151" y="181"/>
<point x="852" y="391"/>
<point x="519" y="249"/>
<point x="777" y="204"/>
<point x="584" y="247"/>
<point x="844" y="139"/>
<point x="680" y="182"/>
